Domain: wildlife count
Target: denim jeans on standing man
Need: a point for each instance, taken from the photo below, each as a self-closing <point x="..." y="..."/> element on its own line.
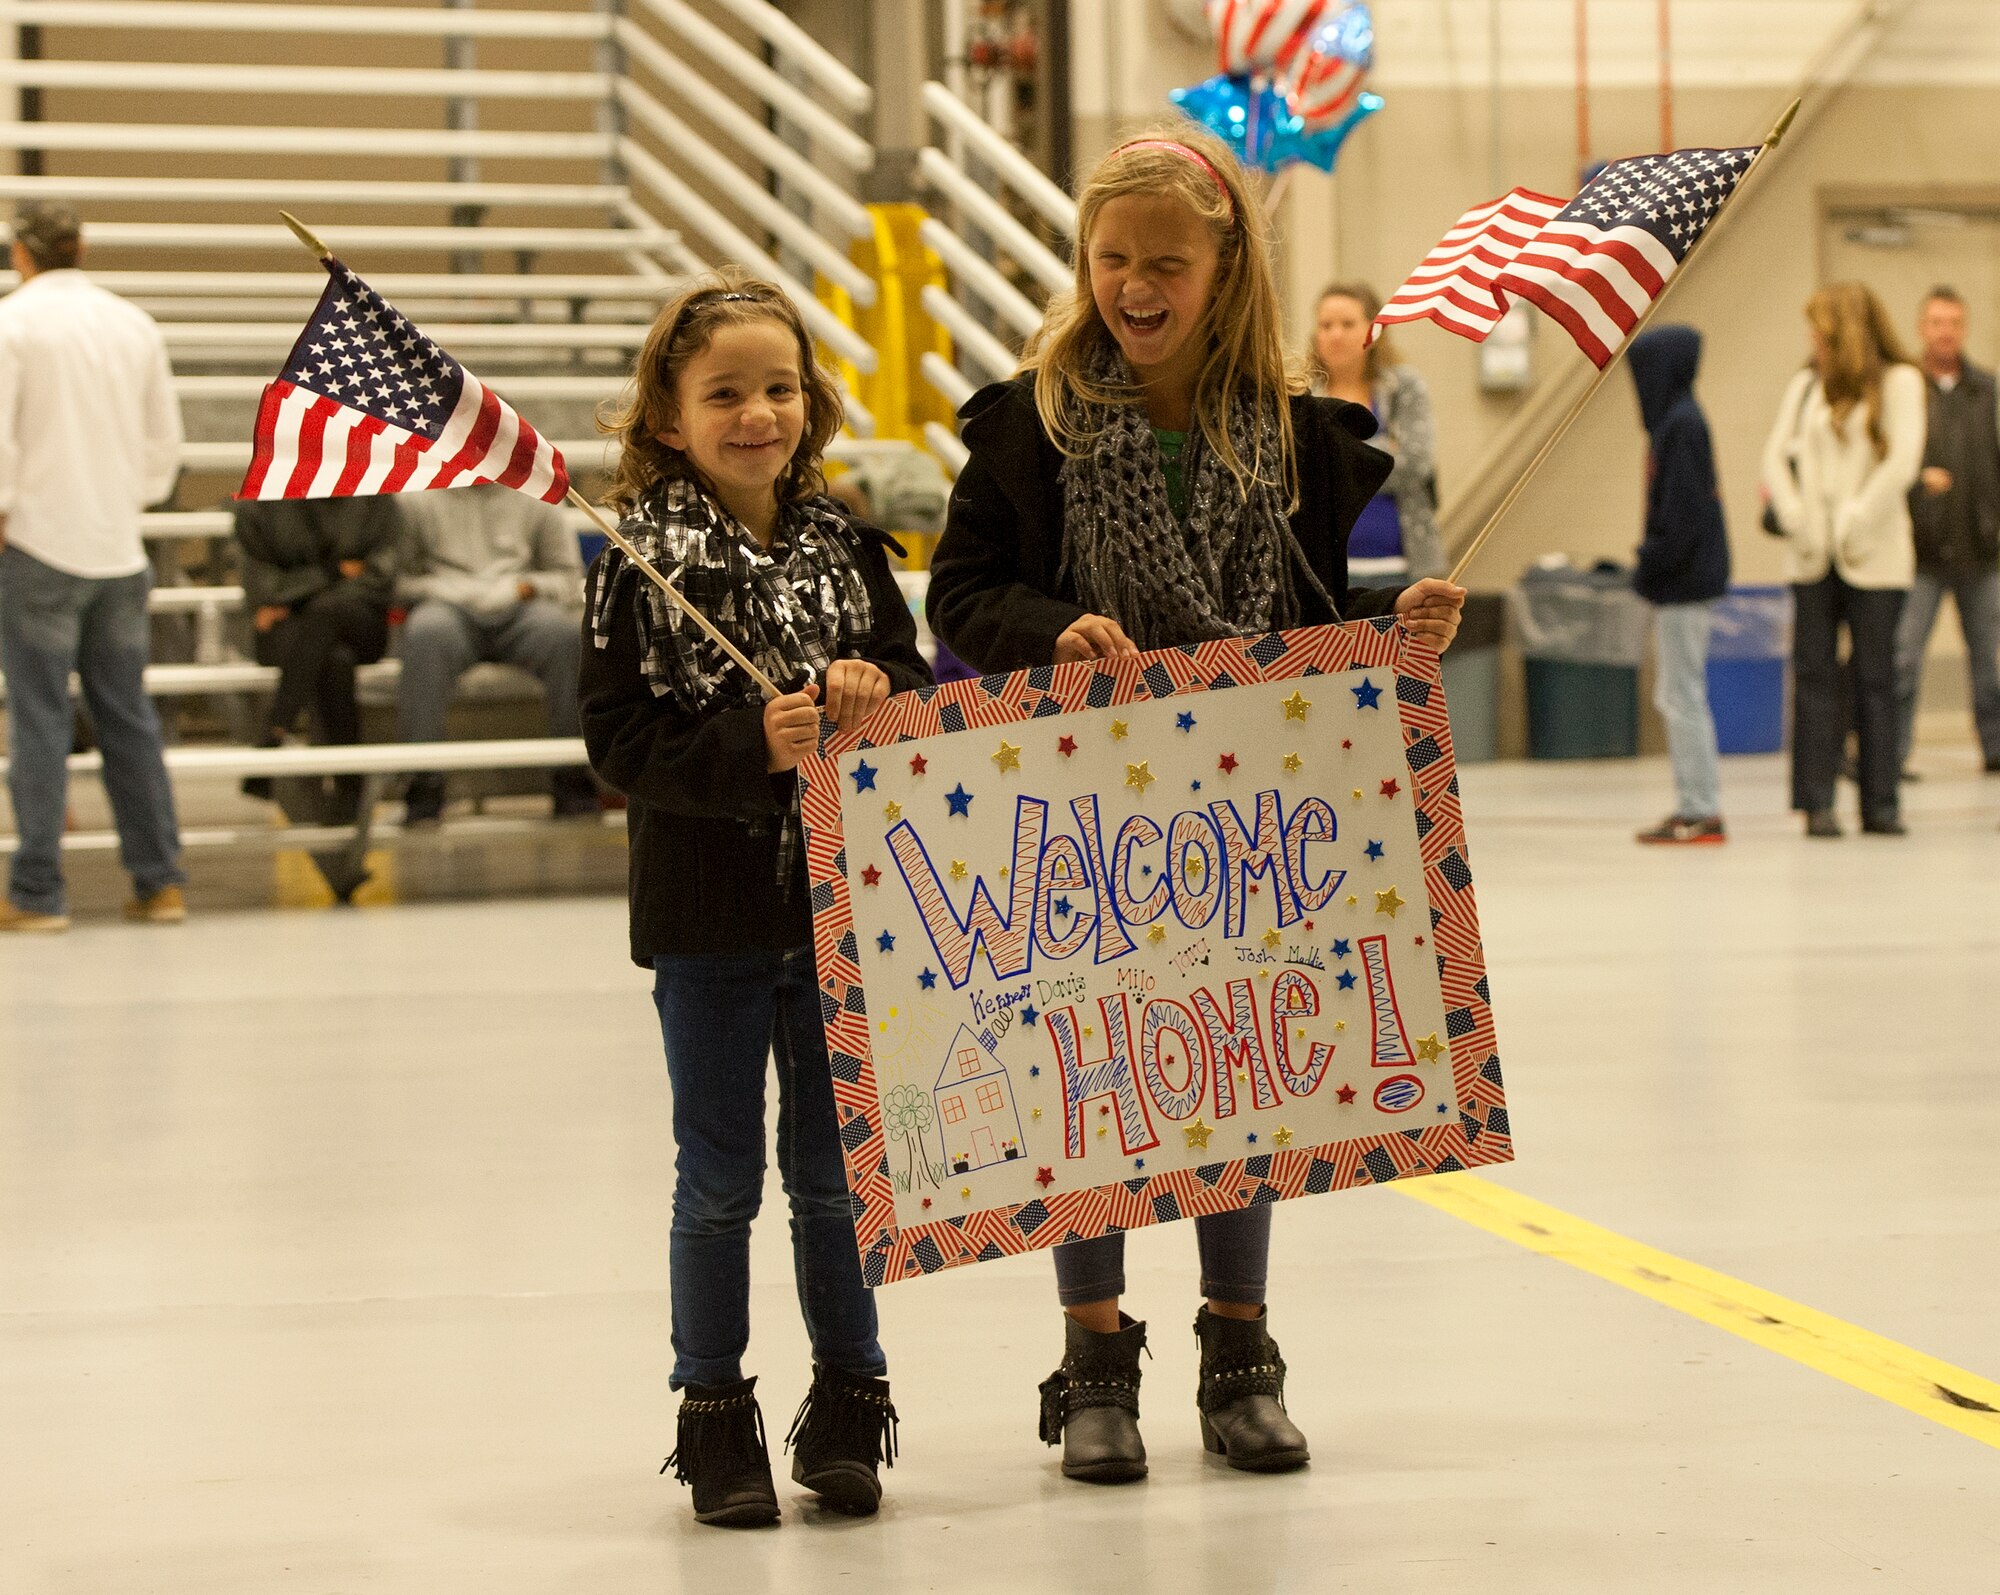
<point x="53" y="624"/>
<point x="1978" y="602"/>
<point x="724" y="1017"/>
<point x="1680" y="693"/>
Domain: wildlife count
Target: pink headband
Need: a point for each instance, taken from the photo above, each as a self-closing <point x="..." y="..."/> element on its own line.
<point x="1196" y="156"/>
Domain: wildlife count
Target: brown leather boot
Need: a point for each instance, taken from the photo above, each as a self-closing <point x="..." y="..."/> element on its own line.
<point x="1242" y="1396"/>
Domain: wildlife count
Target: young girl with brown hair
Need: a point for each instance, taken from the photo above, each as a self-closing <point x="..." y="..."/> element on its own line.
<point x="1157" y="475"/>
<point x="720" y="487"/>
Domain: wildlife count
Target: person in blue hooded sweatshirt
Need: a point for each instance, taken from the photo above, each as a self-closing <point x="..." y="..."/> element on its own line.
<point x="1683" y="569"/>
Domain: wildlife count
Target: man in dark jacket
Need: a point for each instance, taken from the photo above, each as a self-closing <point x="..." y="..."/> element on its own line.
<point x="1955" y="514"/>
<point x="1683" y="569"/>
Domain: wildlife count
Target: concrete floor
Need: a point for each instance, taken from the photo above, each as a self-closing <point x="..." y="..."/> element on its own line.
<point x="332" y="1258"/>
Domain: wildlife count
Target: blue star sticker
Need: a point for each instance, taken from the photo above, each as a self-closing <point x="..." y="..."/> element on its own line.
<point x="1034" y="1071"/>
<point x="1444" y="1107"/>
<point x="1028" y="1014"/>
<point x="1341" y="949"/>
<point x="1367" y="695"/>
<point x="1373" y="850"/>
<point x="1062" y="907"/>
<point x="1138" y="1163"/>
<point x="960" y="801"/>
<point x="1253" y="1137"/>
<point x="864" y="777"/>
<point x="1194" y="786"/>
<point x="1347" y="980"/>
<point x="1184" y="721"/>
<point x="927" y="980"/>
<point x="886" y="942"/>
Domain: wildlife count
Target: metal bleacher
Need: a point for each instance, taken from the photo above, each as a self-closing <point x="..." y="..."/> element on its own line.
<point x="528" y="185"/>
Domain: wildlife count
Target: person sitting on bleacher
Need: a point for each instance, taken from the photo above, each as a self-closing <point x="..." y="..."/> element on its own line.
<point x="488" y="574"/>
<point x="318" y="574"/>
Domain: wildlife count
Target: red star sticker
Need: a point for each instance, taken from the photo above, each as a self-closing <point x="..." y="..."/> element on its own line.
<point x="1348" y="745"/>
<point x="1044" y="1177"/>
<point x="1226" y="764"/>
<point x="1065" y="746"/>
<point x="1104" y="1110"/>
<point x="1253" y="888"/>
<point x="927" y="1201"/>
<point x="1345" y="1093"/>
<point x="1309" y="926"/>
<point x="918" y="764"/>
<point x="1389" y="788"/>
<point x="1420" y="941"/>
<point x="871" y="876"/>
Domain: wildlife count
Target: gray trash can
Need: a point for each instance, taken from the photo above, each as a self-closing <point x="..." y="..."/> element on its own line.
<point x="1471" y="667"/>
<point x="1583" y="633"/>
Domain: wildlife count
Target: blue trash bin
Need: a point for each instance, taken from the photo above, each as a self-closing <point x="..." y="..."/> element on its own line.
<point x="1748" y="650"/>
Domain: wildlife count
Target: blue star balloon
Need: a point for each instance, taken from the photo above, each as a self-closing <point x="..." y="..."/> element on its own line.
<point x="1260" y="129"/>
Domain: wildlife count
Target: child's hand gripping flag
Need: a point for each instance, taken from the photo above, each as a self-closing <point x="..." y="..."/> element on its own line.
<point x="1594" y="264"/>
<point x="368" y="404"/>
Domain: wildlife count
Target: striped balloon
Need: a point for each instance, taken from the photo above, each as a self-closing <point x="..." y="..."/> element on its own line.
<point x="1254" y="37"/>
<point x="1316" y="53"/>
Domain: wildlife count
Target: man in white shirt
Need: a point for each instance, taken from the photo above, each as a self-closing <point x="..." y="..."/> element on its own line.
<point x="90" y="434"/>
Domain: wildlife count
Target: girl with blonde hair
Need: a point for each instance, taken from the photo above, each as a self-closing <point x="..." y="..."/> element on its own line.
<point x="1838" y="468"/>
<point x="1156" y="475"/>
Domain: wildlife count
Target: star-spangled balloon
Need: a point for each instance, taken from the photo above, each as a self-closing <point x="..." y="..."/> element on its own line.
<point x="1291" y="88"/>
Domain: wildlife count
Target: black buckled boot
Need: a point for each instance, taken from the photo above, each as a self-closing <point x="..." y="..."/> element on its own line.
<point x="845" y="1430"/>
<point x="1091" y="1403"/>
<point x="719" y="1450"/>
<point x="1242" y="1396"/>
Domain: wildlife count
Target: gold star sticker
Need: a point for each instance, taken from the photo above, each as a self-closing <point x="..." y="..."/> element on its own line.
<point x="1035" y="1113"/>
<point x="1282" y="1136"/>
<point x="1351" y="901"/>
<point x="1197" y="1134"/>
<point x="1300" y="1034"/>
<point x="892" y="811"/>
<point x="1194" y="869"/>
<point x="1009" y="756"/>
<point x="1117" y="730"/>
<point x="1003" y="873"/>
<point x="1157" y="934"/>
<point x="1139" y="776"/>
<point x="1388" y="902"/>
<point x="1292" y="762"/>
<point x="1430" y="1049"/>
<point x="1100" y="1132"/>
<point x="958" y="869"/>
<point x="1340" y="1024"/>
<point x="1088" y="1031"/>
<point x="965" y="1192"/>
<point x="1296" y="706"/>
<point x="1272" y="938"/>
<point x="1242" y="1076"/>
<point x="1357" y="791"/>
<point x="1263" y="974"/>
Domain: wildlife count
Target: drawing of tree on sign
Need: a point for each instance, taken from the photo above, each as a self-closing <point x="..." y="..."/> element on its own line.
<point x="907" y="1114"/>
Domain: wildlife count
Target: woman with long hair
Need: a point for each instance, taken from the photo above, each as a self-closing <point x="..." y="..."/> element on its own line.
<point x="1397" y="534"/>
<point x="1839" y="466"/>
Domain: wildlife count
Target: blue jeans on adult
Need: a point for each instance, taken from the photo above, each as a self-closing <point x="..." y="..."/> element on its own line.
<point x="53" y="624"/>
<point x="1235" y="1251"/>
<point x="1680" y="693"/>
<point x="722" y="1016"/>
<point x="1977" y="599"/>
<point x="440" y="642"/>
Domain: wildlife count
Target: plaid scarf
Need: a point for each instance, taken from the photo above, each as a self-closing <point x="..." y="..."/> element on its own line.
<point x="1229" y="572"/>
<point x="794" y="608"/>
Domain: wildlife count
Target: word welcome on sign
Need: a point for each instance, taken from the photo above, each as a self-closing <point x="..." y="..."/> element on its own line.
<point x="1112" y="944"/>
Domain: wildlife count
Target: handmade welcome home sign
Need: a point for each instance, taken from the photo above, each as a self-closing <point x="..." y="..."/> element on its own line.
<point x="1109" y="944"/>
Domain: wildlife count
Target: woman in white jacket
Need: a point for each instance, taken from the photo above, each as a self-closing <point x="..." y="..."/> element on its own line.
<point x="1839" y="467"/>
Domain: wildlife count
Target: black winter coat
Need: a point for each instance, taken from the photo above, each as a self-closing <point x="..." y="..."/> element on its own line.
<point x="995" y="596"/>
<point x="1685" y="557"/>
<point x="292" y="548"/>
<point x="705" y="813"/>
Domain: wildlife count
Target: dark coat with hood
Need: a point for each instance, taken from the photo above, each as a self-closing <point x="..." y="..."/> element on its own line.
<point x="998" y="595"/>
<point x="1685" y="557"/>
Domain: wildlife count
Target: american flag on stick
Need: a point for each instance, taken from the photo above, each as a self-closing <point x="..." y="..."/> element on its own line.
<point x="1595" y="264"/>
<point x="367" y="404"/>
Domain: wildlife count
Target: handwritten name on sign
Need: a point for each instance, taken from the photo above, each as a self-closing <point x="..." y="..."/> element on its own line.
<point x="1109" y="945"/>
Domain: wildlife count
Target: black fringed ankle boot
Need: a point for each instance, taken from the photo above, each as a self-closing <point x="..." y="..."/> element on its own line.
<point x="719" y="1450"/>
<point x="1242" y="1396"/>
<point x="1090" y="1405"/>
<point x="845" y="1430"/>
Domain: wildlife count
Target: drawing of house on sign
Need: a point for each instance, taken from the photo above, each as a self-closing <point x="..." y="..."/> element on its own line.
<point x="975" y="1106"/>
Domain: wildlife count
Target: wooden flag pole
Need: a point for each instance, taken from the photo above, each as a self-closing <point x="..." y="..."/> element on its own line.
<point x="624" y="544"/>
<point x="1596" y="382"/>
<point x="766" y="685"/>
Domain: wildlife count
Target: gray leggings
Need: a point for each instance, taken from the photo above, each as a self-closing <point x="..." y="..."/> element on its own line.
<point x="1235" y="1253"/>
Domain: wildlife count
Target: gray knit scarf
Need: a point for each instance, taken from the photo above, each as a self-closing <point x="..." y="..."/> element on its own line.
<point x="1229" y="572"/>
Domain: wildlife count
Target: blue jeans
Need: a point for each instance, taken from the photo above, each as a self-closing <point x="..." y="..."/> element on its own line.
<point x="722" y="1016"/>
<point x="1235" y="1253"/>
<point x="1680" y="693"/>
<point x="440" y="642"/>
<point x="1978" y="601"/>
<point x="53" y="624"/>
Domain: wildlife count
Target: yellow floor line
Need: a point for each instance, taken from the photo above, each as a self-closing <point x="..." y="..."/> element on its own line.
<point x="1932" y="1389"/>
